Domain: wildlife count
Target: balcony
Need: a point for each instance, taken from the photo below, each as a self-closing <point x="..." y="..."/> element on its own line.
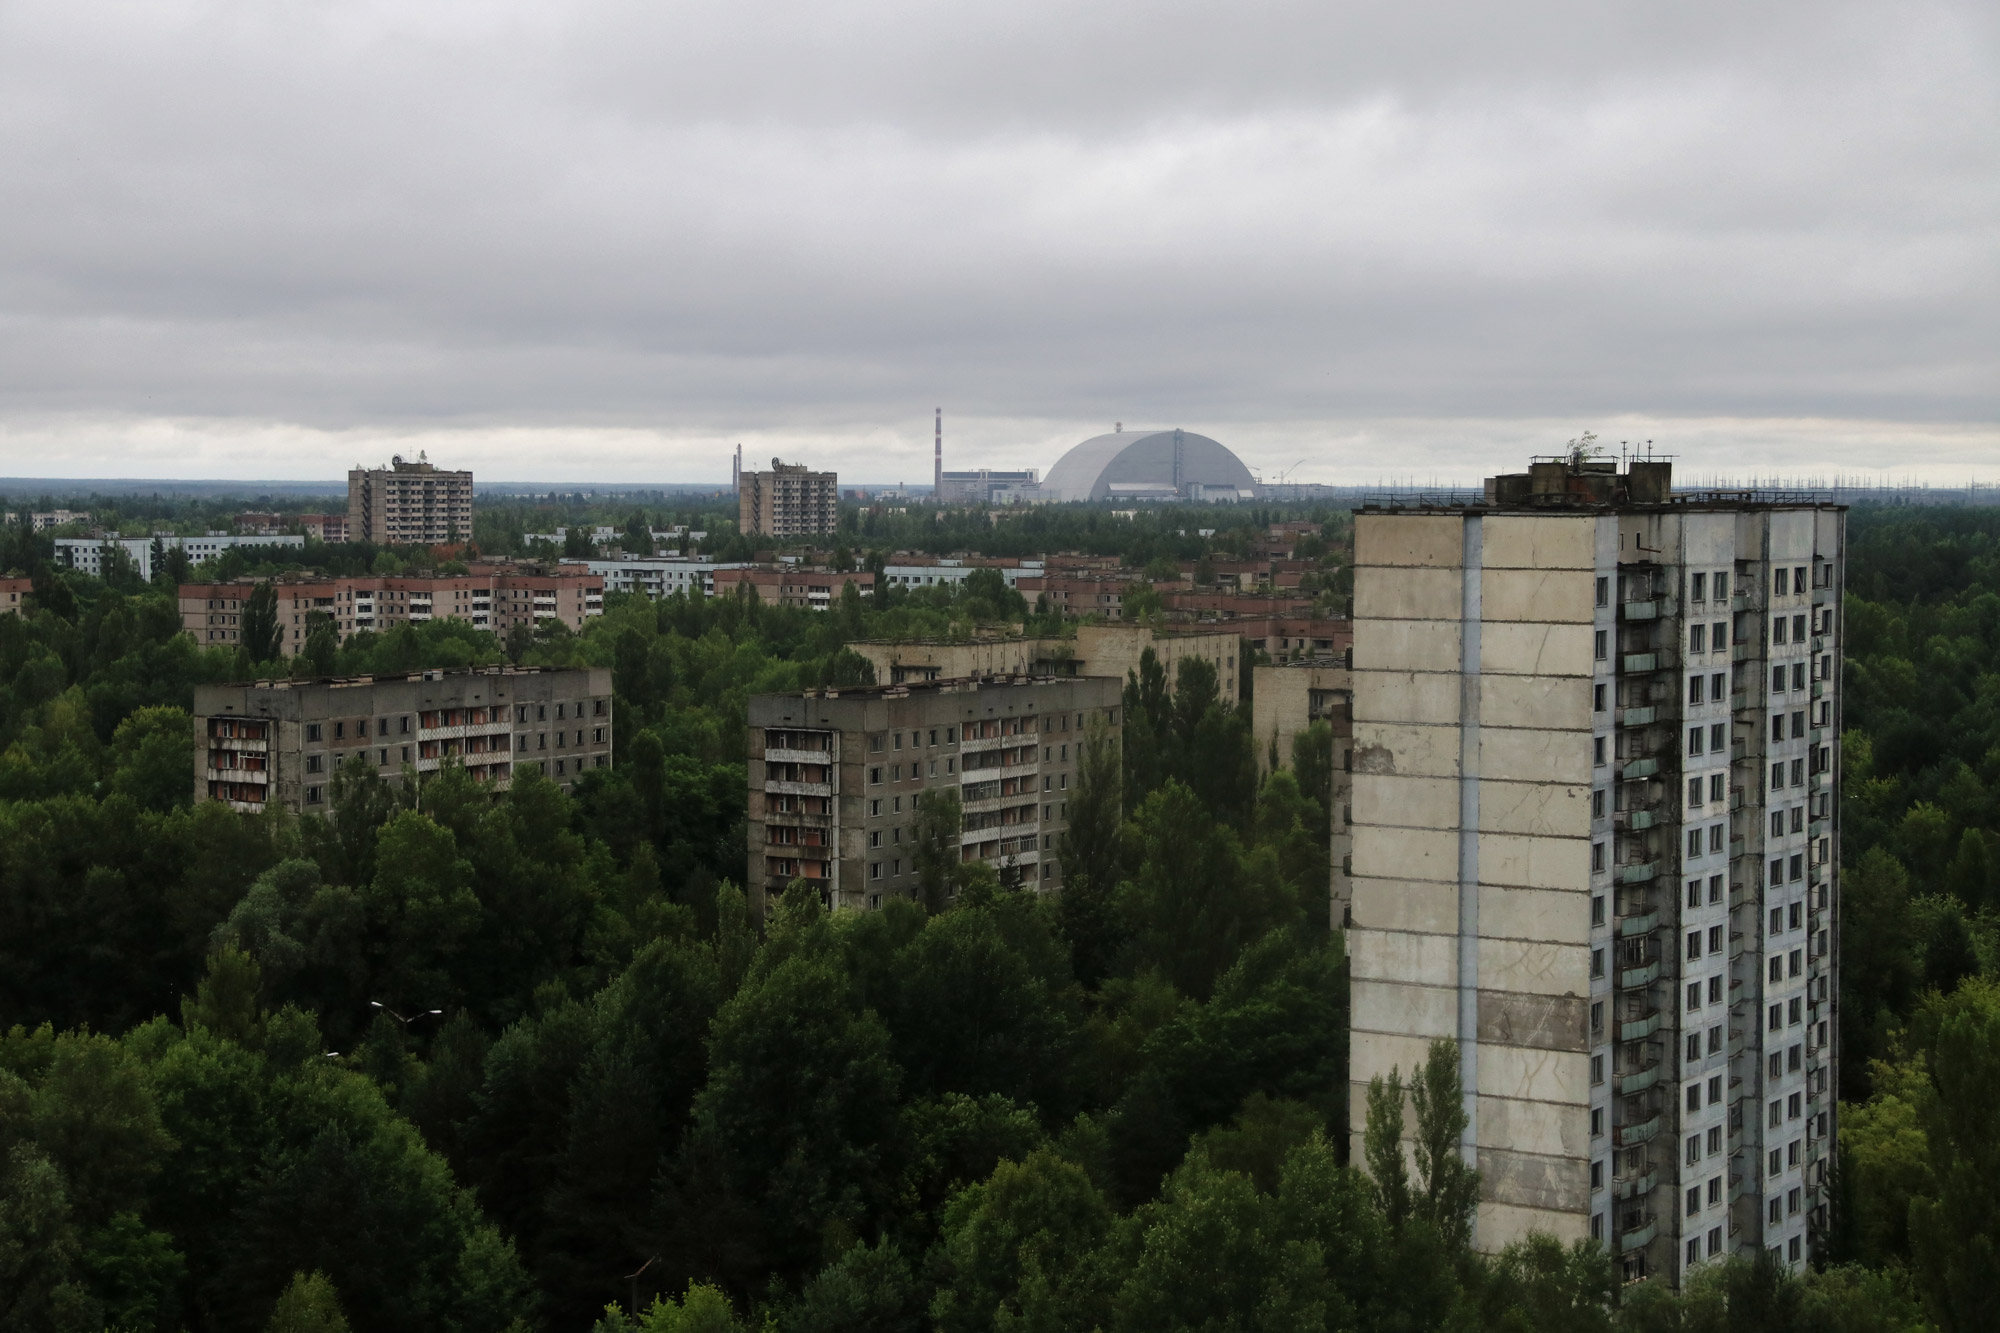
<point x="1652" y="610"/>
<point x="1627" y="1136"/>
<point x="1639" y="768"/>
<point x="1637" y="978"/>
<point x="1638" y="717"/>
<point x="1642" y="873"/>
<point x="1740" y="602"/>
<point x="1634" y="820"/>
<point x="1638" y="925"/>
<point x="1634" y="1187"/>
<point x="1640" y="1239"/>
<point x="776" y="756"/>
<point x="1638" y="1029"/>
<point x="1639" y="1082"/>
<point x="1639" y="663"/>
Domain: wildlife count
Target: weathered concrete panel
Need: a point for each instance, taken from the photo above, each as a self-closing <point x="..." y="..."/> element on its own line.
<point x="1409" y="594"/>
<point x="1376" y="1053"/>
<point x="1524" y="541"/>
<point x="1404" y="645"/>
<point x="1538" y="809"/>
<point x="1534" y="863"/>
<point x="1407" y="696"/>
<point x="1502" y="1224"/>
<point x="1408" y="539"/>
<point x="1529" y="1180"/>
<point x="1387" y="853"/>
<point x="1383" y="955"/>
<point x="1528" y="649"/>
<point x="1558" y="703"/>
<point x="1558" y="916"/>
<point x="1388" y="1006"/>
<point x="1507" y="754"/>
<point x="1384" y="747"/>
<point x="1534" y="1127"/>
<point x="1395" y="904"/>
<point x="1411" y="802"/>
<point x="1536" y="969"/>
<point x="1545" y="596"/>
<point x="1533" y="1076"/>
<point x="1538" y="1022"/>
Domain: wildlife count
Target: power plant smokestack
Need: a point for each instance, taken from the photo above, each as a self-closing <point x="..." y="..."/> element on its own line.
<point x="937" y="459"/>
<point x="736" y="470"/>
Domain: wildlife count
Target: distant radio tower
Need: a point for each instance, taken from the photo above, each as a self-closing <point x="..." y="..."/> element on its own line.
<point x="937" y="459"/>
<point x="736" y="470"/>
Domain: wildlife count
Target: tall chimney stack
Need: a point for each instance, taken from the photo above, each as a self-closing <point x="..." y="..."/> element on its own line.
<point x="937" y="459"/>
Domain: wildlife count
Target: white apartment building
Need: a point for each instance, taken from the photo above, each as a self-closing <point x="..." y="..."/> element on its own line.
<point x="87" y="554"/>
<point x="1595" y="839"/>
<point x="661" y="576"/>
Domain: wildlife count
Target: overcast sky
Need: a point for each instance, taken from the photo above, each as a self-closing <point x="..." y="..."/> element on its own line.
<point x="595" y="241"/>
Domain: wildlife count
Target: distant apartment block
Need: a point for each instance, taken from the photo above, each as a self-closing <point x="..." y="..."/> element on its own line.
<point x="660" y="576"/>
<point x="789" y="501"/>
<point x="495" y="599"/>
<point x="14" y="592"/>
<point x="1286" y="698"/>
<point x="906" y="571"/>
<point x="1104" y="650"/>
<point x="56" y="518"/>
<point x="409" y="504"/>
<point x="1596" y="840"/>
<point x="835" y="776"/>
<point x="281" y="741"/>
<point x="789" y="585"/>
<point x="87" y="554"/>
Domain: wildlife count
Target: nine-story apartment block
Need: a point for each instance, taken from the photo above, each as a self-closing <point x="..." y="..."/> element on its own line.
<point x="791" y="500"/>
<point x="1596" y="842"/>
<point x="835" y="776"/>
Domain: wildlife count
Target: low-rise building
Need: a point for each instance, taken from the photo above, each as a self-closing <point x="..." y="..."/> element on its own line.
<point x="661" y="576"/>
<point x="488" y="597"/>
<point x="57" y="518"/>
<point x="1112" y="651"/>
<point x="87" y="555"/>
<point x="835" y="776"/>
<point x="14" y="594"/>
<point x="908" y="571"/>
<point x="280" y="741"/>
<point x="323" y="527"/>
<point x="790" y="585"/>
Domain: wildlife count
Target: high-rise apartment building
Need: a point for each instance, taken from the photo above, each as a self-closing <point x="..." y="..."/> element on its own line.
<point x="835" y="776"/>
<point x="1595" y="839"/>
<point x="409" y="503"/>
<point x="790" y="500"/>
<point x="280" y="741"/>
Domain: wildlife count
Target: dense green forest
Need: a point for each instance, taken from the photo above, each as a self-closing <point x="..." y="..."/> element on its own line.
<point x="504" y="1063"/>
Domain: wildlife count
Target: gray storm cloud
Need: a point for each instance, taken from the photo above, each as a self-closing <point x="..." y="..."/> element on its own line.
<point x="709" y="221"/>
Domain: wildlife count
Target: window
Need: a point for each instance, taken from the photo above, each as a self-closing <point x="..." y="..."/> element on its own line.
<point x="1718" y="635"/>
<point x="874" y="870"/>
<point x="1597" y="910"/>
<point x="1798" y="675"/>
<point x="1777" y="726"/>
<point x="1693" y="1149"/>
<point x="1715" y="1040"/>
<point x="1697" y="642"/>
<point x="1596" y="856"/>
<point x="1694" y="689"/>
<point x="1596" y="1122"/>
<point x="1798" y="867"/>
<point x="1777" y="680"/>
<point x="404" y="728"/>
<point x="313" y="731"/>
<point x="1597" y="1016"/>
<point x="1696" y="736"/>
<point x="1694" y="842"/>
<point x="1777" y="630"/>
<point x="1694" y="1046"/>
<point x="1715" y="888"/>
<point x="1777" y="775"/>
<point x="1601" y="645"/>
<point x="1715" y="990"/>
<point x="1597" y="962"/>
<point x="1715" y="939"/>
<point x="874" y="776"/>
<point x="315" y="763"/>
<point x="1597" y="749"/>
<point x="1792" y="915"/>
<point x="1776" y="1017"/>
<point x="1718" y="737"/>
<point x="1779" y="582"/>
<point x="1604" y="592"/>
<point x="1777" y="823"/>
<point x="1715" y="837"/>
<point x="1721" y="586"/>
<point x="1694" y="944"/>
<point x="1795" y="1011"/>
<point x="1596" y="1176"/>
<point x="314" y="795"/>
<point x="1596" y="1070"/>
<point x="1694" y="995"/>
<point x="1794" y="962"/>
<point x="1694" y="1104"/>
<point x="1597" y="698"/>
<point x="1799" y="580"/>
<point x="1715" y="782"/>
<point x="1697" y="587"/>
<point x="1777" y="969"/>
<point x="1597" y="804"/>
